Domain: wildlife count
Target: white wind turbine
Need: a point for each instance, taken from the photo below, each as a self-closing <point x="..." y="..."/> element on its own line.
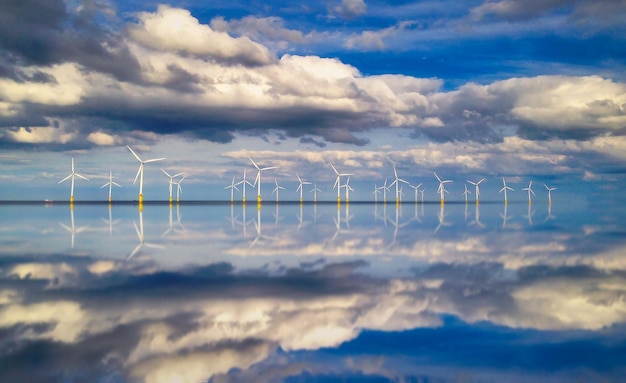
<point x="530" y="191"/>
<point x="315" y="190"/>
<point x="338" y="182"/>
<point x="375" y="193"/>
<point x="441" y="190"/>
<point x="504" y="189"/>
<point x="348" y="189"/>
<point x="171" y="181"/>
<point x="232" y="188"/>
<point x="477" y="188"/>
<point x="549" y="193"/>
<point x="385" y="188"/>
<point x="417" y="187"/>
<point x="110" y="185"/>
<point x="276" y="189"/>
<point x="179" y="189"/>
<point x="72" y="176"/>
<point x="396" y="182"/>
<point x="243" y="183"/>
<point x="299" y="189"/>
<point x="466" y="193"/>
<point x="257" y="181"/>
<point x="140" y="171"/>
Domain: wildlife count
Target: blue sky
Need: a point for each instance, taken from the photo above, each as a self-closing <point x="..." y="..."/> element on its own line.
<point x="528" y="90"/>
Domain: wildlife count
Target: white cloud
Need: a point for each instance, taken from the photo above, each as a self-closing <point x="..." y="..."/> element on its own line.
<point x="175" y="30"/>
<point x="350" y="8"/>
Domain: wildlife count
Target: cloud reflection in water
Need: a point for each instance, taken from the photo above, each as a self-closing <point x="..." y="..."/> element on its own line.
<point x="313" y="293"/>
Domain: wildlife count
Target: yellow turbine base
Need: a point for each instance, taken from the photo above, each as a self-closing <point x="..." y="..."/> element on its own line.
<point x="347" y="201"/>
<point x="338" y="200"/>
<point x="71" y="199"/>
<point x="140" y="199"/>
<point x="243" y="200"/>
<point x="300" y="201"/>
<point x="442" y="201"/>
<point x="170" y="199"/>
<point x="397" y="201"/>
<point x="140" y="207"/>
<point x="258" y="199"/>
<point x="110" y="200"/>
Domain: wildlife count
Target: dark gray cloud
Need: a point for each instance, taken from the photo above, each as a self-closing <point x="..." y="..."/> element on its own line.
<point x="41" y="32"/>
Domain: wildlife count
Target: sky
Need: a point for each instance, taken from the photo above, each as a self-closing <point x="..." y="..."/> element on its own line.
<point x="527" y="90"/>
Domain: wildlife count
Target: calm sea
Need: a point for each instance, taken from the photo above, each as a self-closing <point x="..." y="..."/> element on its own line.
<point x="313" y="293"/>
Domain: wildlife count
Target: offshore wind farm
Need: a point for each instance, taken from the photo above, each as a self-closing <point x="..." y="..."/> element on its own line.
<point x="323" y="191"/>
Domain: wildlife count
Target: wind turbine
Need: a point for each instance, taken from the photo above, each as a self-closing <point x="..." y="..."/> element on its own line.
<point x="348" y="189"/>
<point x="530" y="191"/>
<point x="338" y="182"/>
<point x="72" y="176"/>
<point x="375" y="193"/>
<point x="110" y="185"/>
<point x="441" y="188"/>
<point x="72" y="229"/>
<point x="397" y="183"/>
<point x="232" y="188"/>
<point x="172" y="181"/>
<point x="549" y="193"/>
<point x="505" y="188"/>
<point x="243" y="183"/>
<point x="257" y="181"/>
<point x="385" y="189"/>
<point x="140" y="171"/>
<point x="315" y="191"/>
<point x="466" y="193"/>
<point x="276" y="189"/>
<point x="417" y="187"/>
<point x="179" y="189"/>
<point x="299" y="189"/>
<point x="477" y="188"/>
<point x="422" y="193"/>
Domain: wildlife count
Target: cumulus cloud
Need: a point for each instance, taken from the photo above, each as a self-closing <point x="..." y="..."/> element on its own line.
<point x="350" y="8"/>
<point x="174" y="29"/>
<point x="201" y="82"/>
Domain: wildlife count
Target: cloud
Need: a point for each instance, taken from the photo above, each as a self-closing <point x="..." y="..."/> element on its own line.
<point x="375" y="40"/>
<point x="271" y="31"/>
<point x="175" y="30"/>
<point x="40" y="32"/>
<point x="350" y="9"/>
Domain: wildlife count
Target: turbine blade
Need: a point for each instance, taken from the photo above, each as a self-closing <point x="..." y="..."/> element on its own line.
<point x="79" y="176"/>
<point x="154" y="160"/>
<point x="335" y="170"/>
<point x="66" y="178"/>
<point x="134" y="154"/>
<point x="253" y="163"/>
<point x="138" y="171"/>
<point x="438" y="179"/>
<point x="166" y="173"/>
<point x="116" y="184"/>
<point x="269" y="168"/>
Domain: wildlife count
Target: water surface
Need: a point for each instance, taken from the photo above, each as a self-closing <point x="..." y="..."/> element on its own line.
<point x="303" y="293"/>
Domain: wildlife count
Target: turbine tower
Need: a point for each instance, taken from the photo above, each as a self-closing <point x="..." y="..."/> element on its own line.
<point x="276" y="189"/>
<point x="315" y="191"/>
<point x="300" y="186"/>
<point x="257" y="181"/>
<point x="348" y="189"/>
<point x="530" y="191"/>
<point x="232" y="188"/>
<point x="385" y="188"/>
<point x="72" y="176"/>
<point x="179" y="189"/>
<point x="375" y="193"/>
<point x="171" y="181"/>
<point x="243" y="183"/>
<point x="417" y="187"/>
<point x="397" y="183"/>
<point x="441" y="190"/>
<point x="338" y="182"/>
<point x="477" y="188"/>
<point x="549" y="193"/>
<point x="504" y="189"/>
<point x="110" y="185"/>
<point x="142" y="163"/>
<point x="466" y="193"/>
